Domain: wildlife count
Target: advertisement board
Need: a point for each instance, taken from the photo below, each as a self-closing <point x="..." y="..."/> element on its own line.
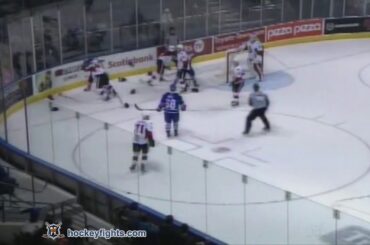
<point x="16" y="91"/>
<point x="201" y="46"/>
<point x="235" y="40"/>
<point x="301" y="28"/>
<point x="347" y="25"/>
<point x="116" y="63"/>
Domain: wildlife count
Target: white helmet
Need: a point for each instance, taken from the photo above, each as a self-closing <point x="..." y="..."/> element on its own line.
<point x="180" y="47"/>
<point x="171" y="48"/>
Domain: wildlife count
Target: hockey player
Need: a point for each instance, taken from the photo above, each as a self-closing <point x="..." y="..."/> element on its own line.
<point x="237" y="82"/>
<point x="143" y="138"/>
<point x="89" y="66"/>
<point x="108" y="91"/>
<point x="188" y="70"/>
<point x="184" y="67"/>
<point x="260" y="103"/>
<point x="171" y="103"/>
<point x="255" y="56"/>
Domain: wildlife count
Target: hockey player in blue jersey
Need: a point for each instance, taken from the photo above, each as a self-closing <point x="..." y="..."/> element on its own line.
<point x="171" y="103"/>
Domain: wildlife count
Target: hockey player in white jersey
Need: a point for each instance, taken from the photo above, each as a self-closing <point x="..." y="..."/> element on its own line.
<point x="255" y="56"/>
<point x="237" y="82"/>
<point x="143" y="139"/>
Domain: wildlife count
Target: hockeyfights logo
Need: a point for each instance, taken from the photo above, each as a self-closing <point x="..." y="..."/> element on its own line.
<point x="53" y="231"/>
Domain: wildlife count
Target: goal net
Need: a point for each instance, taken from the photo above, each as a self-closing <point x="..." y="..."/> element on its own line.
<point x="241" y="57"/>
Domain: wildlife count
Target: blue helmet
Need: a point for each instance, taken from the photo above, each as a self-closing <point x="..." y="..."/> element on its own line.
<point x="173" y="87"/>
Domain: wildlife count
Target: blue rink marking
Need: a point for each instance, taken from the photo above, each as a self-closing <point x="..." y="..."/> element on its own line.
<point x="272" y="81"/>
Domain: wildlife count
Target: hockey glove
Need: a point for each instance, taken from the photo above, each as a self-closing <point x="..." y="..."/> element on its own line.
<point x="183" y="107"/>
<point x="151" y="143"/>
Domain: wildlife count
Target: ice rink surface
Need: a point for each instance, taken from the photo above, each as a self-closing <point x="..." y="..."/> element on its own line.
<point x="319" y="146"/>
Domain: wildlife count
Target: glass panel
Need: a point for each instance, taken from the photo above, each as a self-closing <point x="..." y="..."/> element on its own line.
<point x="338" y="8"/>
<point x="354" y="7"/>
<point x="151" y="24"/>
<point x="195" y="7"/>
<point x="230" y="16"/>
<point x="266" y="213"/>
<point x="124" y="25"/>
<point x="271" y="11"/>
<point x="5" y="71"/>
<point x="188" y="189"/>
<point x="72" y="24"/>
<point x="120" y="159"/>
<point x="351" y="230"/>
<point x="98" y="41"/>
<point x="149" y="11"/>
<point x="124" y="38"/>
<point x="149" y="35"/>
<point x="321" y="8"/>
<point x="46" y="31"/>
<point x="213" y="24"/>
<point x="195" y="27"/>
<point x="251" y="13"/>
<point x="124" y="13"/>
<point x="15" y="92"/>
<point x="307" y="9"/>
<point x="66" y="148"/>
<point x="225" y="198"/>
<point x="39" y="120"/>
<point x="20" y="39"/>
<point x="93" y="149"/>
<point x="155" y="190"/>
<point x="195" y="22"/>
<point x="98" y="26"/>
<point x="309" y="222"/>
<point x="291" y="10"/>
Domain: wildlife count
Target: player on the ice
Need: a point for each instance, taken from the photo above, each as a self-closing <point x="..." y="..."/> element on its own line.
<point x="260" y="103"/>
<point x="108" y="91"/>
<point x="255" y="56"/>
<point x="172" y="103"/>
<point x="184" y="68"/>
<point x="237" y="82"/>
<point x="143" y="139"/>
<point x="97" y="73"/>
<point x="163" y="61"/>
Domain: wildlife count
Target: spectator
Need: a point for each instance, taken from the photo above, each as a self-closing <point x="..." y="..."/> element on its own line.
<point x="184" y="236"/>
<point x="152" y="232"/>
<point x="7" y="183"/>
<point x="166" y="22"/>
<point x="172" y="39"/>
<point x="167" y="232"/>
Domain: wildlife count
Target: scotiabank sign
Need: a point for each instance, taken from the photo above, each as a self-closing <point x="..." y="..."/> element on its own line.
<point x="302" y="28"/>
<point x="235" y="40"/>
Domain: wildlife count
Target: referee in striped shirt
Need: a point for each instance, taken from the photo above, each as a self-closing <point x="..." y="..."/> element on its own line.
<point x="260" y="103"/>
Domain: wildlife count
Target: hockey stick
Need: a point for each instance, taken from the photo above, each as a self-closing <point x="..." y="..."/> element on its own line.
<point x="142" y="109"/>
<point x="120" y="100"/>
<point x="200" y="110"/>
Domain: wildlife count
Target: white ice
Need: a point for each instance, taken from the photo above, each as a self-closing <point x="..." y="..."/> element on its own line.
<point x="319" y="147"/>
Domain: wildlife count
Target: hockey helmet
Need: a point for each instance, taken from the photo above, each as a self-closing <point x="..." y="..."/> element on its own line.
<point x="180" y="47"/>
<point x="173" y="87"/>
<point x="171" y="48"/>
<point x="146" y="117"/>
